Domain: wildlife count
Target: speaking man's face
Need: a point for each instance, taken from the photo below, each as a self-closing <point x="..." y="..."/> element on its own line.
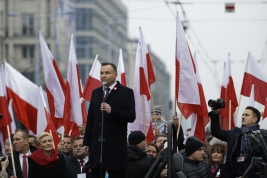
<point x="107" y="74"/>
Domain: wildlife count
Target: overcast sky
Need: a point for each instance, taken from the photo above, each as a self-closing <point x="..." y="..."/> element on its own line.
<point x="212" y="33"/>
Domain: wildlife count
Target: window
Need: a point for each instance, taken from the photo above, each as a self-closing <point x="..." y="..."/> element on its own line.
<point x="28" y="52"/>
<point x="84" y="70"/>
<point x="27" y="24"/>
<point x="83" y="19"/>
<point x="83" y="47"/>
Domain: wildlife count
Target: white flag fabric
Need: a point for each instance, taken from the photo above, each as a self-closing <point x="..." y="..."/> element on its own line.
<point x="252" y="97"/>
<point x="121" y="71"/>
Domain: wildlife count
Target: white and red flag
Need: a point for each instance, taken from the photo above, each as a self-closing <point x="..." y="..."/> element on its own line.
<point x="255" y="75"/>
<point x="189" y="92"/>
<point x="55" y="84"/>
<point x="199" y="119"/>
<point x="6" y="118"/>
<point x="74" y="84"/>
<point x="143" y="78"/>
<point x="252" y="97"/>
<point x="24" y="95"/>
<point x="229" y="96"/>
<point x="12" y="124"/>
<point x="93" y="80"/>
<point x="121" y="71"/>
<point x="44" y="122"/>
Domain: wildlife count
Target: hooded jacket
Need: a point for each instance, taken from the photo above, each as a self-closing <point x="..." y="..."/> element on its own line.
<point x="138" y="162"/>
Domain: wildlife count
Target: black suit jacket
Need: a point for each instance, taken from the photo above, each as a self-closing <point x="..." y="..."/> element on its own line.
<point x="121" y="100"/>
<point x="74" y="168"/>
<point x="17" y="163"/>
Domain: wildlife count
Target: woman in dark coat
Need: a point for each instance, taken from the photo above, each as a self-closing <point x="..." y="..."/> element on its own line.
<point x="217" y="157"/>
<point x="46" y="162"/>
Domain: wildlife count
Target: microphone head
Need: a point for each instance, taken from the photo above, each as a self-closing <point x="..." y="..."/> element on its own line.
<point x="104" y="85"/>
<point x="177" y="162"/>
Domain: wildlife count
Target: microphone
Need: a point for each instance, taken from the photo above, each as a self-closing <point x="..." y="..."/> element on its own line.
<point x="104" y="86"/>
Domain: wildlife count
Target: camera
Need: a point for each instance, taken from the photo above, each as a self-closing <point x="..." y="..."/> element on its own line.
<point x="217" y="104"/>
<point x="3" y="157"/>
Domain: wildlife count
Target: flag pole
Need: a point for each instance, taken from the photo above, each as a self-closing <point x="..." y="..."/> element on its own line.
<point x="11" y="148"/>
<point x="153" y="109"/>
<point x="144" y="115"/>
<point x="241" y="87"/>
<point x="230" y="115"/>
<point x="52" y="138"/>
<point x="71" y="129"/>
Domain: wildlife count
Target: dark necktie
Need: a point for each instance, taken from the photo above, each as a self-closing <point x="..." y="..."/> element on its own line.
<point x="82" y="165"/>
<point x="107" y="93"/>
<point x="24" y="166"/>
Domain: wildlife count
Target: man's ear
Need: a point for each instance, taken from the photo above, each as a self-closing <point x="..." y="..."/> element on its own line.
<point x="255" y="120"/>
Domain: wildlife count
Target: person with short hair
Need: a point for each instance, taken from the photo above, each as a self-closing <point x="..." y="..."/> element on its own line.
<point x="32" y="140"/>
<point x="195" y="153"/>
<point x="7" y="149"/>
<point x="45" y="161"/>
<point x="77" y="163"/>
<point x="65" y="146"/>
<point x="118" y="110"/>
<point x="139" y="162"/>
<point x="240" y="147"/>
<point x="160" y="140"/>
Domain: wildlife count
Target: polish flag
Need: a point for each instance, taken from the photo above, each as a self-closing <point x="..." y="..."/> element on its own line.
<point x="254" y="74"/>
<point x="12" y="124"/>
<point x="186" y="86"/>
<point x="6" y="119"/>
<point x="121" y="71"/>
<point x="44" y="122"/>
<point x="93" y="80"/>
<point x="55" y="84"/>
<point x="228" y="94"/>
<point x="24" y="96"/>
<point x="143" y="78"/>
<point x="199" y="119"/>
<point x="74" y="85"/>
<point x="252" y="97"/>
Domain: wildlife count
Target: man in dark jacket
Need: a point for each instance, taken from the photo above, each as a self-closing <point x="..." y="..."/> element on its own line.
<point x="138" y="161"/>
<point x="194" y="149"/>
<point x="77" y="163"/>
<point x="118" y="109"/>
<point x="240" y="147"/>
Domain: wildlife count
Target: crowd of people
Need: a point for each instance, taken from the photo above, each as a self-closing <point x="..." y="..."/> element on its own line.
<point x="104" y="149"/>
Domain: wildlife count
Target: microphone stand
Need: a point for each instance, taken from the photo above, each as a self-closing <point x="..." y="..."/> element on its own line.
<point x="101" y="139"/>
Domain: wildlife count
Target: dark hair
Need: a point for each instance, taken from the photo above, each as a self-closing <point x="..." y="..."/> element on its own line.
<point x="189" y="129"/>
<point x="154" y="145"/>
<point x="162" y="135"/>
<point x="67" y="136"/>
<point x="220" y="148"/>
<point x="256" y="113"/>
<point x="24" y="133"/>
<point x="32" y="136"/>
<point x="77" y="138"/>
<point x="109" y="63"/>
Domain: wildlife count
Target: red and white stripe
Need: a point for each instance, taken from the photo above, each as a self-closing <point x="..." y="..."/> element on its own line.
<point x="55" y="84"/>
<point x="93" y="80"/>
<point x="228" y="94"/>
<point x="143" y="78"/>
<point x="121" y="71"/>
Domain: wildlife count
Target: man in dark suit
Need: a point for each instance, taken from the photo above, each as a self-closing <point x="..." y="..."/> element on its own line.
<point x="77" y="163"/>
<point x="118" y="109"/>
<point x="21" y="147"/>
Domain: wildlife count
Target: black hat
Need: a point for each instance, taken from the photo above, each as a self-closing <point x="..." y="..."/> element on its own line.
<point x="192" y="145"/>
<point x="135" y="137"/>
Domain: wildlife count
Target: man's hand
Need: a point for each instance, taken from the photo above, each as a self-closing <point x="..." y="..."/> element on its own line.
<point x="157" y="133"/>
<point x="4" y="164"/>
<point x="85" y="149"/>
<point x="105" y="107"/>
<point x="60" y="146"/>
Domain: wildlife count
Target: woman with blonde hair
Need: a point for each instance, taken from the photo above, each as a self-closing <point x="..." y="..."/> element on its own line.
<point x="46" y="162"/>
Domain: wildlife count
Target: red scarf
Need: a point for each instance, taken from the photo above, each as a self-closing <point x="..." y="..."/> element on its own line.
<point x="39" y="158"/>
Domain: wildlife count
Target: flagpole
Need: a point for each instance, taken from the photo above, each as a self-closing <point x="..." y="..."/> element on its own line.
<point x="11" y="148"/>
<point x="71" y="129"/>
<point x="241" y="87"/>
<point x="52" y="138"/>
<point x="144" y="115"/>
<point x="153" y="109"/>
<point x="230" y="115"/>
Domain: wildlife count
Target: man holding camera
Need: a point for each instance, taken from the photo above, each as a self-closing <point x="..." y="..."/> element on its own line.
<point x="240" y="147"/>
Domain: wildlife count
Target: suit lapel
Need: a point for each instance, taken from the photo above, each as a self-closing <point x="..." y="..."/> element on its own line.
<point x="114" y="91"/>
